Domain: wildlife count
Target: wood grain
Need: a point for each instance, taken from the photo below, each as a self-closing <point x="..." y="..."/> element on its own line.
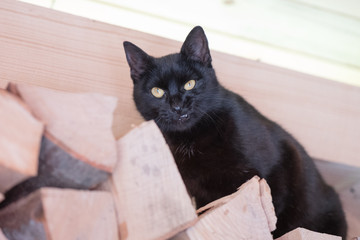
<point x="304" y="234"/>
<point x="60" y="214"/>
<point x="246" y="214"/>
<point x="79" y="121"/>
<point x="2" y="237"/>
<point x="52" y="49"/>
<point x="78" y="149"/>
<point x="20" y="138"/>
<point x="150" y="196"/>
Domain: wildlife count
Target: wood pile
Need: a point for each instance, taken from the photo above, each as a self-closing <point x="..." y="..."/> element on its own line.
<point x="19" y="142"/>
<point x="304" y="234"/>
<point x="64" y="176"/>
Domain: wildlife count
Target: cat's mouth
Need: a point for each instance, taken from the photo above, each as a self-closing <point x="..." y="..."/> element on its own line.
<point x="181" y="122"/>
<point x="176" y="122"/>
<point x="183" y="118"/>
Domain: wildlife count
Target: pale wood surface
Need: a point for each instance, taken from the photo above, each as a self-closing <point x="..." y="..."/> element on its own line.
<point x="301" y="35"/>
<point x="346" y="181"/>
<point x="1" y="197"/>
<point x="2" y="237"/>
<point x="80" y="121"/>
<point x="76" y="54"/>
<point x="304" y="234"/>
<point x="60" y="214"/>
<point x="266" y="202"/>
<point x="151" y="198"/>
<point x="248" y="215"/>
<point x="57" y="168"/>
<point x="20" y="137"/>
<point x="350" y="197"/>
<point x="307" y="25"/>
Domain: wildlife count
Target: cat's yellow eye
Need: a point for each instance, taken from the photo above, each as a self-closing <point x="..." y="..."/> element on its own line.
<point x="189" y="85"/>
<point x="157" y="92"/>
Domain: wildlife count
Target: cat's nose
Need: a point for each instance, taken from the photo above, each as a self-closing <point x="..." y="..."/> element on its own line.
<point x="177" y="109"/>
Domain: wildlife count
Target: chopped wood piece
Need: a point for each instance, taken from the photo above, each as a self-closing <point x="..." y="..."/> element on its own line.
<point x="304" y="234"/>
<point x="1" y="197"/>
<point x="246" y="214"/>
<point x="78" y="149"/>
<point x="2" y="236"/>
<point x="60" y="214"/>
<point x="150" y="196"/>
<point x="20" y="137"/>
<point x="81" y="122"/>
<point x="266" y="201"/>
<point x="57" y="168"/>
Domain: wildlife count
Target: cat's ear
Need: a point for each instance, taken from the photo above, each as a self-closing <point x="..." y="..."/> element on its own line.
<point x="196" y="46"/>
<point x="138" y="60"/>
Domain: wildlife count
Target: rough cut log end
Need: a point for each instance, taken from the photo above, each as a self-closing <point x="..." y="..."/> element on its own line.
<point x="246" y="214"/>
<point x="51" y="213"/>
<point x="19" y="142"/>
<point x="304" y="234"/>
<point x="151" y="198"/>
<point x="57" y="168"/>
<point x="2" y="236"/>
<point x="82" y="122"/>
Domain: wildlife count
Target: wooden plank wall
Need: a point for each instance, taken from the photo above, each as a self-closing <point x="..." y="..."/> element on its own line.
<point x="320" y="38"/>
<point x="60" y="51"/>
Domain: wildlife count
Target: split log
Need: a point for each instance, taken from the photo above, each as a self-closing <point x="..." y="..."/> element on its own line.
<point x="20" y="137"/>
<point x="51" y="213"/>
<point x="80" y="122"/>
<point x="150" y="196"/>
<point x="2" y="237"/>
<point x="78" y="149"/>
<point x="304" y="234"/>
<point x="246" y="214"/>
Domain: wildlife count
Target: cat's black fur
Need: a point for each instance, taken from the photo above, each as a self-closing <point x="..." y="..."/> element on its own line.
<point x="219" y="141"/>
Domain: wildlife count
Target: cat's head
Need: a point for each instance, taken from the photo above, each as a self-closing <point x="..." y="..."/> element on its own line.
<point x="177" y="90"/>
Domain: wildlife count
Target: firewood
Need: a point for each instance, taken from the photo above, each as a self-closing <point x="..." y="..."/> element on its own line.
<point x="304" y="234"/>
<point x="150" y="196"/>
<point x="246" y="214"/>
<point x="59" y="214"/>
<point x="2" y="237"/>
<point x="78" y="149"/>
<point x="20" y="137"/>
<point x="80" y="122"/>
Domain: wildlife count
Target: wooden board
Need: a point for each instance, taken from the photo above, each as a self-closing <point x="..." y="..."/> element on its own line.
<point x="306" y="25"/>
<point x="20" y="137"/>
<point x="300" y="35"/>
<point x="246" y="214"/>
<point x="304" y="234"/>
<point x="150" y="196"/>
<point x="76" y="54"/>
<point x="60" y="214"/>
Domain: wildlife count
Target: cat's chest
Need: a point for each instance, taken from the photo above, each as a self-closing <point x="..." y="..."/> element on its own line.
<point x="204" y="154"/>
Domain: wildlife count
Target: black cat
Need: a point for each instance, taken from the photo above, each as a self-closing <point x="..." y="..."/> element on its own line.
<point x="219" y="141"/>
